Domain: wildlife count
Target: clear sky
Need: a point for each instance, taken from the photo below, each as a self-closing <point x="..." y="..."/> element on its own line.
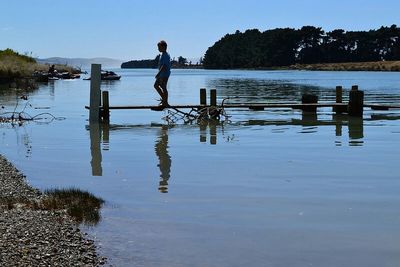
<point x="130" y="29"/>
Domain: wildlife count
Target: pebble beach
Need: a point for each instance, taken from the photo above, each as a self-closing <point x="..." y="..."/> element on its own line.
<point x="35" y="237"/>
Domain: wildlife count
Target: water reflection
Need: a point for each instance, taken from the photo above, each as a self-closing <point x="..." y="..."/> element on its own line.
<point x="356" y="131"/>
<point x="95" y="134"/>
<point x="272" y="90"/>
<point x="260" y="90"/>
<point x="310" y="123"/>
<point x="212" y="125"/>
<point x="164" y="159"/>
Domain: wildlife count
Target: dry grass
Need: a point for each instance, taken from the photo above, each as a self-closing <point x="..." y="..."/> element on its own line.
<point x="351" y="66"/>
<point x="83" y="206"/>
<point x="14" y="66"/>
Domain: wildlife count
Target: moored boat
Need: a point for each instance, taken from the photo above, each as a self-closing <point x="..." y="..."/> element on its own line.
<point x="108" y="76"/>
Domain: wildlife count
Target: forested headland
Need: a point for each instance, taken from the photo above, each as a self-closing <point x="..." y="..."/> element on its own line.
<point x="285" y="47"/>
<point x="181" y="62"/>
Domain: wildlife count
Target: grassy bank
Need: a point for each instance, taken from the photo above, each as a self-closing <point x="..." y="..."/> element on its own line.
<point x="16" y="66"/>
<point x="351" y="66"/>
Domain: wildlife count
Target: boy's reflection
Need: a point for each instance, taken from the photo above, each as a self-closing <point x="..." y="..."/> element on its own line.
<point x="164" y="160"/>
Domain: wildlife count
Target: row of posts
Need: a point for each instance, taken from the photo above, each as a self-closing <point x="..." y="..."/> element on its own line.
<point x="213" y="97"/>
<point x="98" y="99"/>
<point x="355" y="106"/>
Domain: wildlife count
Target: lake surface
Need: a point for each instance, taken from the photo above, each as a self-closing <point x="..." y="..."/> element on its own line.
<point x="267" y="188"/>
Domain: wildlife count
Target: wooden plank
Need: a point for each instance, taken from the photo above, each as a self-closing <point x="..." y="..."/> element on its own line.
<point x="257" y="106"/>
<point x="380" y="107"/>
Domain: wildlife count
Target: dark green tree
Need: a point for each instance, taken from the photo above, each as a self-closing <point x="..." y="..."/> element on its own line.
<point x="283" y="47"/>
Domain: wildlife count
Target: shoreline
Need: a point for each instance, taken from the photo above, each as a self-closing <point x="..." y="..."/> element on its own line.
<point x="36" y="237"/>
<point x="381" y="66"/>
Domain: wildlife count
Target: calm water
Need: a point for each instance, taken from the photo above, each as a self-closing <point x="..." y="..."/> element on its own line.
<point x="268" y="188"/>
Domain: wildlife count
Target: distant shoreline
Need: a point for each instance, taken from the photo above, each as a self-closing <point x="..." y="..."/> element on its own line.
<point x="384" y="66"/>
<point x="350" y="66"/>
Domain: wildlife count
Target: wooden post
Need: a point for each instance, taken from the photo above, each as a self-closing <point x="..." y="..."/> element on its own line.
<point x="213" y="97"/>
<point x="106" y="107"/>
<point x="309" y="99"/>
<point x="339" y="94"/>
<point x="339" y="100"/>
<point x="356" y="102"/>
<point x="203" y="97"/>
<point x="95" y="98"/>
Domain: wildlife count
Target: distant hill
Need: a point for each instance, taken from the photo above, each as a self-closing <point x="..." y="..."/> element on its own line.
<point x="82" y="62"/>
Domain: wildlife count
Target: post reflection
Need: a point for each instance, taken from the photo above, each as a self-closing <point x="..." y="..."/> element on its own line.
<point x="164" y="159"/>
<point x="212" y="126"/>
<point x="356" y="131"/>
<point x="209" y="131"/>
<point x="99" y="140"/>
<point x="95" y="150"/>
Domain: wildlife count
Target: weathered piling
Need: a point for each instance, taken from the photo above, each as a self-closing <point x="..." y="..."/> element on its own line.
<point x="95" y="97"/>
<point x="213" y="97"/>
<point x="106" y="107"/>
<point x="309" y="99"/>
<point x="203" y="96"/>
<point x="339" y="94"/>
<point x="356" y="102"/>
<point x="339" y="100"/>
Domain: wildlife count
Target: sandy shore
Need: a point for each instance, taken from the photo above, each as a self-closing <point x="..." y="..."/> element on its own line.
<point x="34" y="237"/>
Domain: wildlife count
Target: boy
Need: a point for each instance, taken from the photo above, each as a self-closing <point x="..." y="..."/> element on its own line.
<point x="164" y="70"/>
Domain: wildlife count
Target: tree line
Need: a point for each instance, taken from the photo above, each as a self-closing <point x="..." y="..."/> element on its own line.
<point x="308" y="45"/>
<point x="153" y="63"/>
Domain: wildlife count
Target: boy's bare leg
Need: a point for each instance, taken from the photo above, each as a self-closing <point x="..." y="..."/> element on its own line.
<point x="159" y="89"/>
<point x="161" y="86"/>
<point x="165" y="94"/>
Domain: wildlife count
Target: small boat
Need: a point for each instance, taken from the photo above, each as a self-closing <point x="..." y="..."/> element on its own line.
<point x="108" y="76"/>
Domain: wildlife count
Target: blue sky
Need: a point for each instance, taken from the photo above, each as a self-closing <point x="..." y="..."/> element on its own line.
<point x="130" y="29"/>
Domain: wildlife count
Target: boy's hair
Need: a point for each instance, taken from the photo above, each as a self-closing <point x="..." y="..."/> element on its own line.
<point x="162" y="43"/>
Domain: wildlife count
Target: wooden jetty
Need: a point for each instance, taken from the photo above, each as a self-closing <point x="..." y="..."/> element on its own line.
<point x="100" y="105"/>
